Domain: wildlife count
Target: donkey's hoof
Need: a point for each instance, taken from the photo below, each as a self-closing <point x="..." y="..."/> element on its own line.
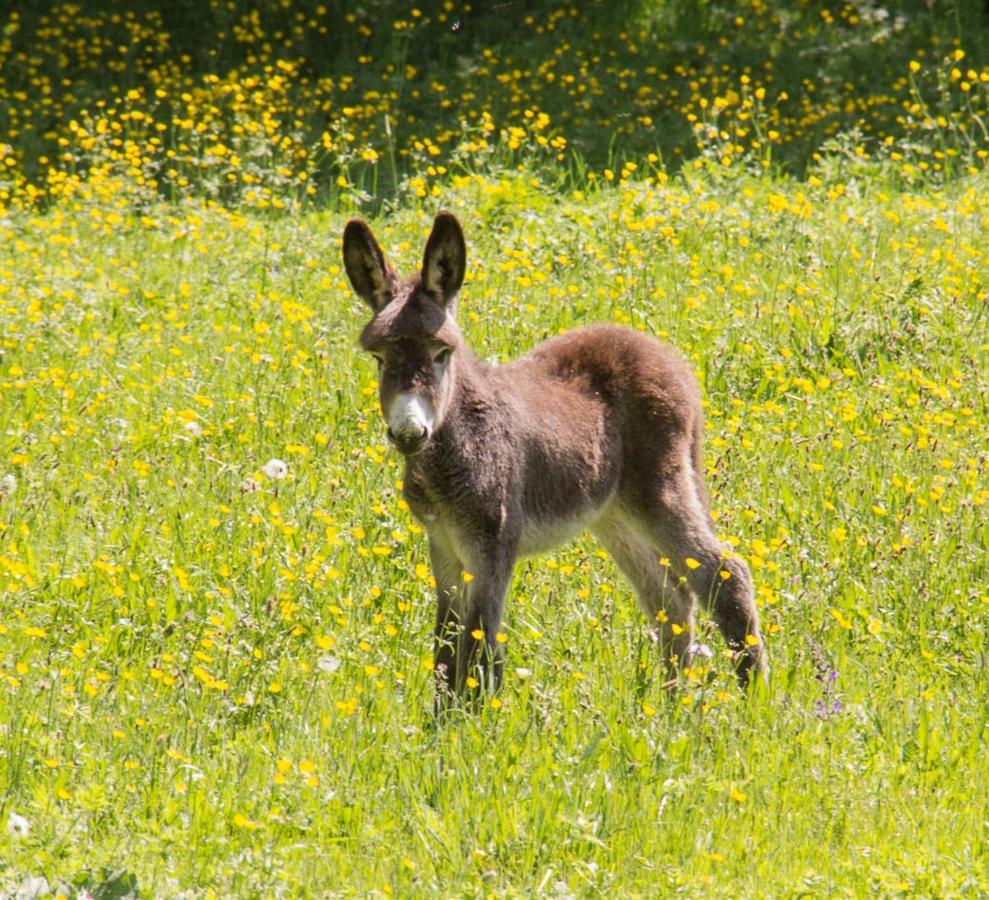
<point x="751" y="667"/>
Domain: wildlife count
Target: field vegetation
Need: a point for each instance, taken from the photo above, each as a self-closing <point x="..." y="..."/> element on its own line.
<point x="215" y="608"/>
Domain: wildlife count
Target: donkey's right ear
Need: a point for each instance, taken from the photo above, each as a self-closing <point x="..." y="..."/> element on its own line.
<point x="445" y="258"/>
<point x="371" y="277"/>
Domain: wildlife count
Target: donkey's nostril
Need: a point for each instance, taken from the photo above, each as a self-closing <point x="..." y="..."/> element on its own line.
<point x="414" y="433"/>
<point x="410" y="440"/>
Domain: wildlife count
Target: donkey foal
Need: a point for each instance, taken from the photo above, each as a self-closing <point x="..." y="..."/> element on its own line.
<point x="597" y="429"/>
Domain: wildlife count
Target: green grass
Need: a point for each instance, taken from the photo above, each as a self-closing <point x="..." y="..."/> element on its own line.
<point x="214" y="680"/>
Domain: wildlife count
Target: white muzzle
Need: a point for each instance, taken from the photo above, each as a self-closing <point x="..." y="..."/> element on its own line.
<point x="410" y="422"/>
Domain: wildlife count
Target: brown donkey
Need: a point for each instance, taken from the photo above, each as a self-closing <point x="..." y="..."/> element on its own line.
<point x="597" y="429"/>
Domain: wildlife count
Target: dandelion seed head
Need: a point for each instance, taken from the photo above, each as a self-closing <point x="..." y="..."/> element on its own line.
<point x="275" y="469"/>
<point x="33" y="887"/>
<point x="328" y="664"/>
<point x="18" y="826"/>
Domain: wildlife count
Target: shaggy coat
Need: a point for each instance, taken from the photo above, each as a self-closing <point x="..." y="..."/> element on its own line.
<point x="600" y="429"/>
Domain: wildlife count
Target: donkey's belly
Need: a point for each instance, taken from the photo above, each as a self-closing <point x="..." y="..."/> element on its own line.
<point x="542" y="535"/>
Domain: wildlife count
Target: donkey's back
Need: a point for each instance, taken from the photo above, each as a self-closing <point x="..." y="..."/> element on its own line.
<point x="627" y="371"/>
<point x="612" y="401"/>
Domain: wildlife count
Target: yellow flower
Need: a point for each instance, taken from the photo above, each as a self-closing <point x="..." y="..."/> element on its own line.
<point x="840" y="618"/>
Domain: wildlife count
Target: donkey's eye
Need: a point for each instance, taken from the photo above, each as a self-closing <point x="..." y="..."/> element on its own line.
<point x="442" y="356"/>
<point x="379" y="359"/>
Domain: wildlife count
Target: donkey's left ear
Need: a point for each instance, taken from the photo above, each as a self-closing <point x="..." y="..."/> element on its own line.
<point x="445" y="258"/>
<point x="370" y="276"/>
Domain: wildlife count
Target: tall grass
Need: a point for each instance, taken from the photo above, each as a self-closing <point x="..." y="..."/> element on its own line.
<point x="215" y="608"/>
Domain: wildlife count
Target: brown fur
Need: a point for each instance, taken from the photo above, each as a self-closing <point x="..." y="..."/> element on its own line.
<point x="597" y="429"/>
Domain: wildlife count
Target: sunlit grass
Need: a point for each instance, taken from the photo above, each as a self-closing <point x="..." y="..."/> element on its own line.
<point x="215" y="608"/>
<point x="201" y="651"/>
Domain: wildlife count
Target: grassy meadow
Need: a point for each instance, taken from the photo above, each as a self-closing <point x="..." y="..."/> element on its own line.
<point x="215" y="609"/>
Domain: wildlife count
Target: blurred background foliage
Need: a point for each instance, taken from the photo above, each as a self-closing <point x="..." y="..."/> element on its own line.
<point x="380" y="81"/>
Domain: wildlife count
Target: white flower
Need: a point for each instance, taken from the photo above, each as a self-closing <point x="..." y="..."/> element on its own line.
<point x="17" y="825"/>
<point x="8" y="484"/>
<point x="32" y="888"/>
<point x="193" y="428"/>
<point x="328" y="664"/>
<point x="701" y="651"/>
<point x="275" y="469"/>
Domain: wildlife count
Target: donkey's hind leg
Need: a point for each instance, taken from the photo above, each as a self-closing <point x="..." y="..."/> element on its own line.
<point x="669" y="608"/>
<point x="678" y="521"/>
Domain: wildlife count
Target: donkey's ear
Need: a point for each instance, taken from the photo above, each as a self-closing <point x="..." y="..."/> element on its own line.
<point x="445" y="259"/>
<point x="372" y="279"/>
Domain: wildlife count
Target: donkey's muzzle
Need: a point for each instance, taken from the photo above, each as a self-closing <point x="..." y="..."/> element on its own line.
<point x="409" y="442"/>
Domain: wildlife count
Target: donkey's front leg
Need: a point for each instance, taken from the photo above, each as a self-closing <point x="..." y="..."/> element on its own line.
<point x="448" y="573"/>
<point x="480" y="659"/>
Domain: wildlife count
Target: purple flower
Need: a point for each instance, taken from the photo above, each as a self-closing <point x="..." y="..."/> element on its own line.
<point x="829" y="704"/>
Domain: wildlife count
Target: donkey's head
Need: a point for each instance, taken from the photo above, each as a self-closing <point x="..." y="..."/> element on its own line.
<point x="412" y="334"/>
